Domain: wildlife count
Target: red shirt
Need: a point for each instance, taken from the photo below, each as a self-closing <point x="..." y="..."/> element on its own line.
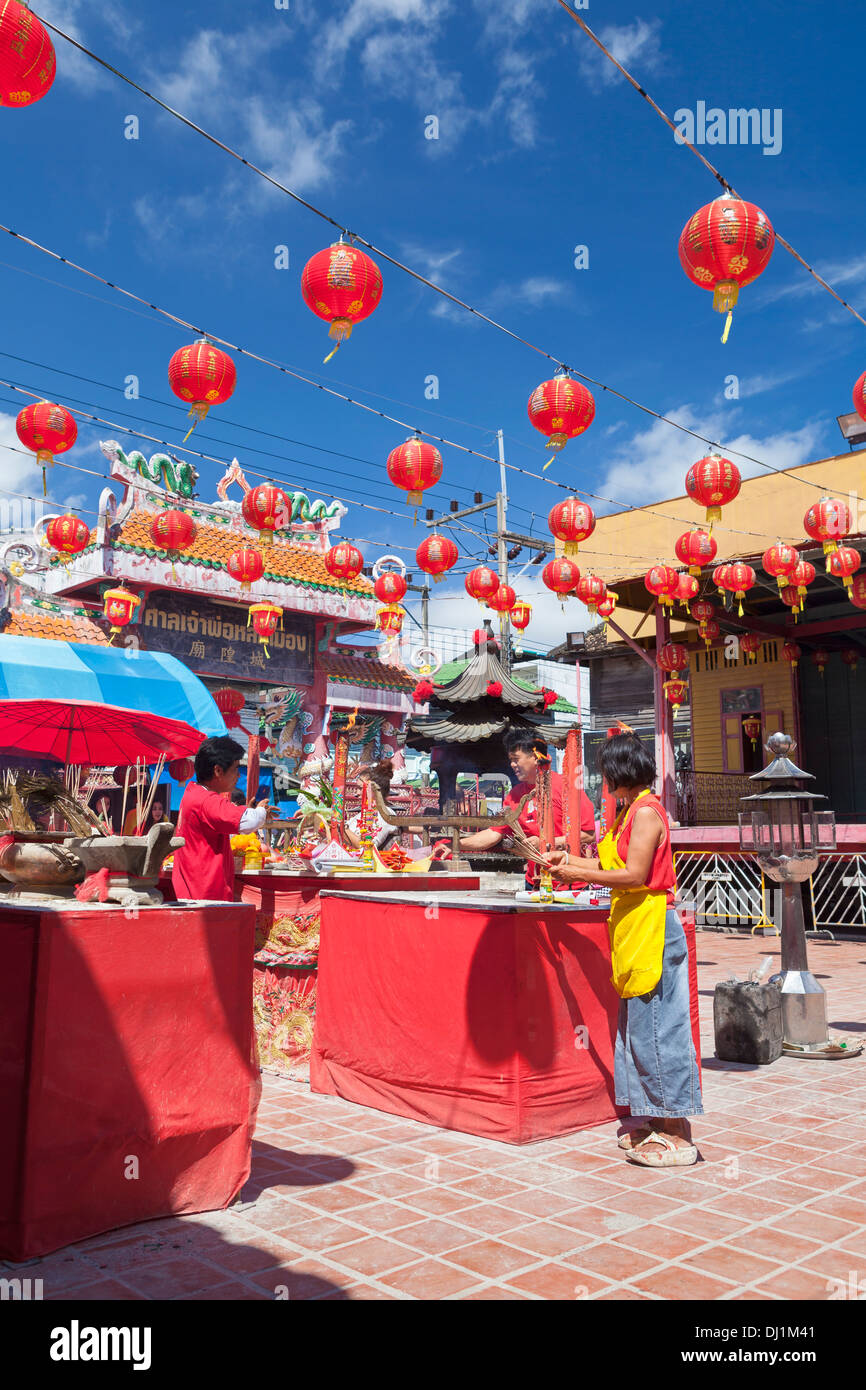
<point x="662" y="875"/>
<point x="204" y="866"/>
<point x="528" y="818"/>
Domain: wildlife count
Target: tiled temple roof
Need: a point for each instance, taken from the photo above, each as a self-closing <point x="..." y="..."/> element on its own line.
<point x="59" y="627"/>
<point x="361" y="671"/>
<point x="285" y="562"/>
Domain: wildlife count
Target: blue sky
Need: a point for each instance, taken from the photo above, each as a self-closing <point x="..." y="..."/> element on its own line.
<point x="541" y="148"/>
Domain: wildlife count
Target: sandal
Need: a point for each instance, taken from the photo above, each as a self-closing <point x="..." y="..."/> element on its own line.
<point x="674" y="1156"/>
<point x="634" y="1136"/>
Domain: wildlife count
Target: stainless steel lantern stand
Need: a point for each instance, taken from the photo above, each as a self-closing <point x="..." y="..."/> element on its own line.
<point x="788" y="836"/>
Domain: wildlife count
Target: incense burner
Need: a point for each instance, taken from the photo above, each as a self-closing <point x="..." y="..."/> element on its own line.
<point x="56" y="864"/>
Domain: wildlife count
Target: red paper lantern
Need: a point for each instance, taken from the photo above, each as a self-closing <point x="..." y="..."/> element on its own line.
<point x="607" y="607"/>
<point x="246" y="566"/>
<point x="437" y="555"/>
<point x="790" y="596"/>
<point x="712" y="482"/>
<point x="738" y="579"/>
<point x="662" y="581"/>
<point x="850" y="656"/>
<point x="422" y="692"/>
<point x="802" y="575"/>
<point x="779" y="560"/>
<point x="414" y="466"/>
<point x="842" y="563"/>
<point x="344" y="561"/>
<point x="229" y="703"/>
<point x="695" y="549"/>
<point x="673" y="657"/>
<point x="27" y="60"/>
<point x="752" y="727"/>
<point x="47" y="429"/>
<point x="710" y="631"/>
<point x="857" y="592"/>
<point x="494" y="689"/>
<point x="820" y="657"/>
<point x="67" y="534"/>
<point x="202" y="375"/>
<point x="792" y="653"/>
<point x="562" y="409"/>
<point x="704" y="611"/>
<point x="481" y="583"/>
<point x="520" y="615"/>
<point x="266" y="509"/>
<point x="676" y="691"/>
<point x="725" y="245"/>
<point x="860" y="396"/>
<point x="503" y="600"/>
<point x="173" y="531"/>
<point x="342" y="285"/>
<point x="390" y="587"/>
<point x="720" y="574"/>
<point x="181" y="769"/>
<point x="687" y="587"/>
<point x="751" y="644"/>
<point x="265" y="618"/>
<point x="119" y="607"/>
<point x="571" y="522"/>
<point x="591" y="591"/>
<point x="828" y="521"/>
<point x="390" y="618"/>
<point x="562" y="576"/>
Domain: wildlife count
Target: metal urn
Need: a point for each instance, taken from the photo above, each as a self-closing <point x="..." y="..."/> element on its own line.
<point x="788" y="836"/>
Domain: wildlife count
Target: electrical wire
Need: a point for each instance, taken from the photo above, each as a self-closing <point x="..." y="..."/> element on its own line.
<point x="582" y="24"/>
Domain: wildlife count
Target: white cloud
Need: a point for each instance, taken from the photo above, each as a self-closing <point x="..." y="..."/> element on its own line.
<point x="536" y="291"/>
<point x="634" y="45"/>
<point x="652" y="464"/>
<point x="837" y="273"/>
<point x="21" y="474"/>
<point x="73" y="66"/>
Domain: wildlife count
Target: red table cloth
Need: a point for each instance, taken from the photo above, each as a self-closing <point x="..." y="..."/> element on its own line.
<point x="127" y="1087"/>
<point x="467" y="1013"/>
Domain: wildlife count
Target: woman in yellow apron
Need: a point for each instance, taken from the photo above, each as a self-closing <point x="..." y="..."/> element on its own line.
<point x="655" y="1067"/>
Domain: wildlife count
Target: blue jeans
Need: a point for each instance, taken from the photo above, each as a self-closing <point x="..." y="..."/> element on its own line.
<point x="655" y="1069"/>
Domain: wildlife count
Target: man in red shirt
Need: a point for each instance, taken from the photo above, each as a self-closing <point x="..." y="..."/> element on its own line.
<point x="521" y="749"/>
<point x="204" y="866"/>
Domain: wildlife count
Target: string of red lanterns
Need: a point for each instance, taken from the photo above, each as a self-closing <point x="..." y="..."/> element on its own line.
<point x="342" y="285"/>
<point x="713" y="482"/>
<point x="570" y="521"/>
<point x="48" y="429"/>
<point x="414" y="466"/>
<point x="695" y="549"/>
<point x="561" y="409"/>
<point x="201" y="375"/>
<point x="344" y="561"/>
<point x="436" y="555"/>
<point x="481" y="583"/>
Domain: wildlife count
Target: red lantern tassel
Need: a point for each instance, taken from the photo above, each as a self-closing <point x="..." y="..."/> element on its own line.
<point x="199" y="410"/>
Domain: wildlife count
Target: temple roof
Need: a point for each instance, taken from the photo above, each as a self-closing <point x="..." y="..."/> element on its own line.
<point x="285" y="562"/>
<point x="56" y="621"/>
<point x="429" y="729"/>
<point x="365" y="671"/>
<point x="472" y="682"/>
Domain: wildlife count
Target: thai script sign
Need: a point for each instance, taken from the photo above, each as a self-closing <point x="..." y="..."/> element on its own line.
<point x="214" y="639"/>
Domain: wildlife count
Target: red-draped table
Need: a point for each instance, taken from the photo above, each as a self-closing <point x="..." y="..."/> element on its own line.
<point x="288" y="917"/>
<point x="470" y="1013"/>
<point x="127" y="1082"/>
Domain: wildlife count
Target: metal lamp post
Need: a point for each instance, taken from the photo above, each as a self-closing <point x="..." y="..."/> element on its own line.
<point x="788" y="836"/>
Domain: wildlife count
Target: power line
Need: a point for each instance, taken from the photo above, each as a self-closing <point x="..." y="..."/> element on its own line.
<point x="582" y="24"/>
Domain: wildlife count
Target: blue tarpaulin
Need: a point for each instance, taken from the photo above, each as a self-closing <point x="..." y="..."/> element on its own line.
<point x="34" y="668"/>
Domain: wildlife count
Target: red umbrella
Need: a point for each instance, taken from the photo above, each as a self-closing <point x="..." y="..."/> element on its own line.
<point x="85" y="731"/>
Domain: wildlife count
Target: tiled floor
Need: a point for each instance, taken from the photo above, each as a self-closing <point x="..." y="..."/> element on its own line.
<point x="353" y="1204"/>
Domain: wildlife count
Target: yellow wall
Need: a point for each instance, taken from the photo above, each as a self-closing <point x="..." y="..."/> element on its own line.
<point x="710" y="674"/>
<point x="769" y="507"/>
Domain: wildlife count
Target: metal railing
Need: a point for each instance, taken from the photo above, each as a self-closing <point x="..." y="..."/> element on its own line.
<point x="723" y="889"/>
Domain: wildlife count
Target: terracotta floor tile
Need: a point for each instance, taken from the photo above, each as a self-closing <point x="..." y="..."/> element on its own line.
<point x="489" y="1187"/>
<point x="491" y="1258"/>
<point x="545" y="1238"/>
<point x="681" y="1284"/>
<point x="374" y="1255"/>
<point x="394" y="1184"/>
<point x="599" y="1221"/>
<point x="340" y="1198"/>
<point x="660" y="1241"/>
<point x="107" y="1290"/>
<point x="263" y="1252"/>
<point x="647" y="1205"/>
<point x="614" y="1262"/>
<point x="557" y="1282"/>
<point x="834" y="1262"/>
<point x="494" y="1293"/>
<point x="434" y="1237"/>
<point x="430" y="1279"/>
<point x="540" y="1204"/>
<point x="583" y="1188"/>
<point x="728" y="1262"/>
<point x="856" y="1245"/>
<point x="171" y="1278"/>
<point x="712" y="1225"/>
<point x="439" y="1201"/>
<point x="815" y="1226"/>
<point x="843" y="1205"/>
<point x="579" y="1161"/>
<point x="746" y="1206"/>
<point x="360" y="1293"/>
<point x="491" y="1218"/>
<point x="302" y="1280"/>
<point x="383" y="1217"/>
<point x="775" y="1243"/>
<point x="229" y="1293"/>
<point x="320" y="1234"/>
<point x="798" y="1284"/>
<point x="622" y="1295"/>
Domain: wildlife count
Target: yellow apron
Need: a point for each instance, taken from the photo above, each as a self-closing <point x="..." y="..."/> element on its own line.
<point x="636" y="926"/>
